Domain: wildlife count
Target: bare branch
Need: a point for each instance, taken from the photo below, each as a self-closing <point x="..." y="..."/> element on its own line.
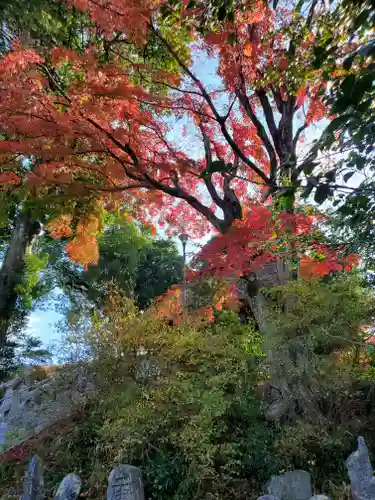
<point x="53" y="82"/>
<point x="230" y="109"/>
<point x="220" y="119"/>
<point x="311" y="13"/>
<point x="298" y="133"/>
<point x="261" y="133"/>
<point x="208" y="178"/>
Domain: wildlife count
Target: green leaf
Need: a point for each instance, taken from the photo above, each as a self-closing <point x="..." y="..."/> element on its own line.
<point x="222" y="13"/>
<point x="230" y="16"/>
<point x="348" y="175"/>
<point x="321" y="193"/>
<point x="361" y="19"/>
<point x="320" y="54"/>
<point x="309" y="168"/>
<point x="347" y="64"/>
<point x="336" y="124"/>
<point x="331" y="175"/>
<point x="231" y="38"/>
<point x="342" y="104"/>
<point x="360" y="162"/>
<point x="347" y="84"/>
<point x="361" y="86"/>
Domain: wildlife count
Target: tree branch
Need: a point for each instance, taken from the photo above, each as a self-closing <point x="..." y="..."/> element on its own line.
<point x="298" y="133"/>
<point x="220" y="119"/>
<point x="269" y="116"/>
<point x="208" y="179"/>
<point x="311" y="13"/>
<point x="151" y="183"/>
<point x="261" y="133"/>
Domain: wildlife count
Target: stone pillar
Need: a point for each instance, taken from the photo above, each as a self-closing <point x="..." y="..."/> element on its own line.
<point x="361" y="473"/>
<point x="125" y="483"/>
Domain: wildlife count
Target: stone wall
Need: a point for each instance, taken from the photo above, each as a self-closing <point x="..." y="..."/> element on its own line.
<point x="28" y="408"/>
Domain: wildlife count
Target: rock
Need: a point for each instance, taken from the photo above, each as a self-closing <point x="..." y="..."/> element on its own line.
<point x="361" y="473"/>
<point x="125" y="483"/>
<point x="33" y="484"/>
<point x="297" y="485"/>
<point x="268" y="497"/>
<point x="69" y="488"/>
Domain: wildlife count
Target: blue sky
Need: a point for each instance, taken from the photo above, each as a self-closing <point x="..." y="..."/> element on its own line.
<point x="43" y="324"/>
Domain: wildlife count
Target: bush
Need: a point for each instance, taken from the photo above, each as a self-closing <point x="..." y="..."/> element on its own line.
<point x="195" y="429"/>
<point x="183" y="403"/>
<point x="194" y="426"/>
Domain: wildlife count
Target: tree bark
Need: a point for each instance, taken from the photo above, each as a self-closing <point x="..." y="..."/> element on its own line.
<point x="288" y="395"/>
<point x="13" y="266"/>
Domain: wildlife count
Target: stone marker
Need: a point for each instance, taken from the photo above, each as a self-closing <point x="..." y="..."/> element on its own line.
<point x="275" y="487"/>
<point x="69" y="488"/>
<point x="320" y="497"/>
<point x="33" y="484"/>
<point x="125" y="483"/>
<point x="361" y="473"/>
<point x="293" y="485"/>
<point x="297" y="485"/>
<point x="3" y="433"/>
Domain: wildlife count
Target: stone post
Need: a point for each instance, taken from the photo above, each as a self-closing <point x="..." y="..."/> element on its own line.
<point x="125" y="483"/>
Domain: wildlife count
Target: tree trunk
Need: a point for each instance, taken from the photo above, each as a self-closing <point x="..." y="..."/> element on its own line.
<point x="12" y="269"/>
<point x="272" y="274"/>
<point x="287" y="394"/>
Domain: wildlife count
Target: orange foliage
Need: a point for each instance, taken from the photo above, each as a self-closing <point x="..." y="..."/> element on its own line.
<point x="316" y="111"/>
<point x="170" y="307"/>
<point x="9" y="178"/>
<point x="60" y="227"/>
<point x="83" y="250"/>
<point x="102" y="132"/>
<point x="261" y="237"/>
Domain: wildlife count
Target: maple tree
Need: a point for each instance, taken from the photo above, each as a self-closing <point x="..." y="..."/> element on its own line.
<point x="261" y="238"/>
<point x="40" y="25"/>
<point x="100" y="129"/>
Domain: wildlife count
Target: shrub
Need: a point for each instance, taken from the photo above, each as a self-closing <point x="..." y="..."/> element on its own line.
<point x="194" y="426"/>
<point x="182" y="402"/>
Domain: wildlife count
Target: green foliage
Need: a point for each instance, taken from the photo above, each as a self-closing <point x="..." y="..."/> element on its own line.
<point x="316" y="331"/>
<point x="193" y="424"/>
<point x="139" y="265"/>
<point x="24" y="349"/>
<point x="349" y="96"/>
<point x="160" y="266"/>
<point x="319" y="449"/>
<point x="324" y="316"/>
<point x="43" y="23"/>
<point x="182" y="402"/>
<point x="211" y="12"/>
<point x="28" y="290"/>
<point x="31" y="351"/>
